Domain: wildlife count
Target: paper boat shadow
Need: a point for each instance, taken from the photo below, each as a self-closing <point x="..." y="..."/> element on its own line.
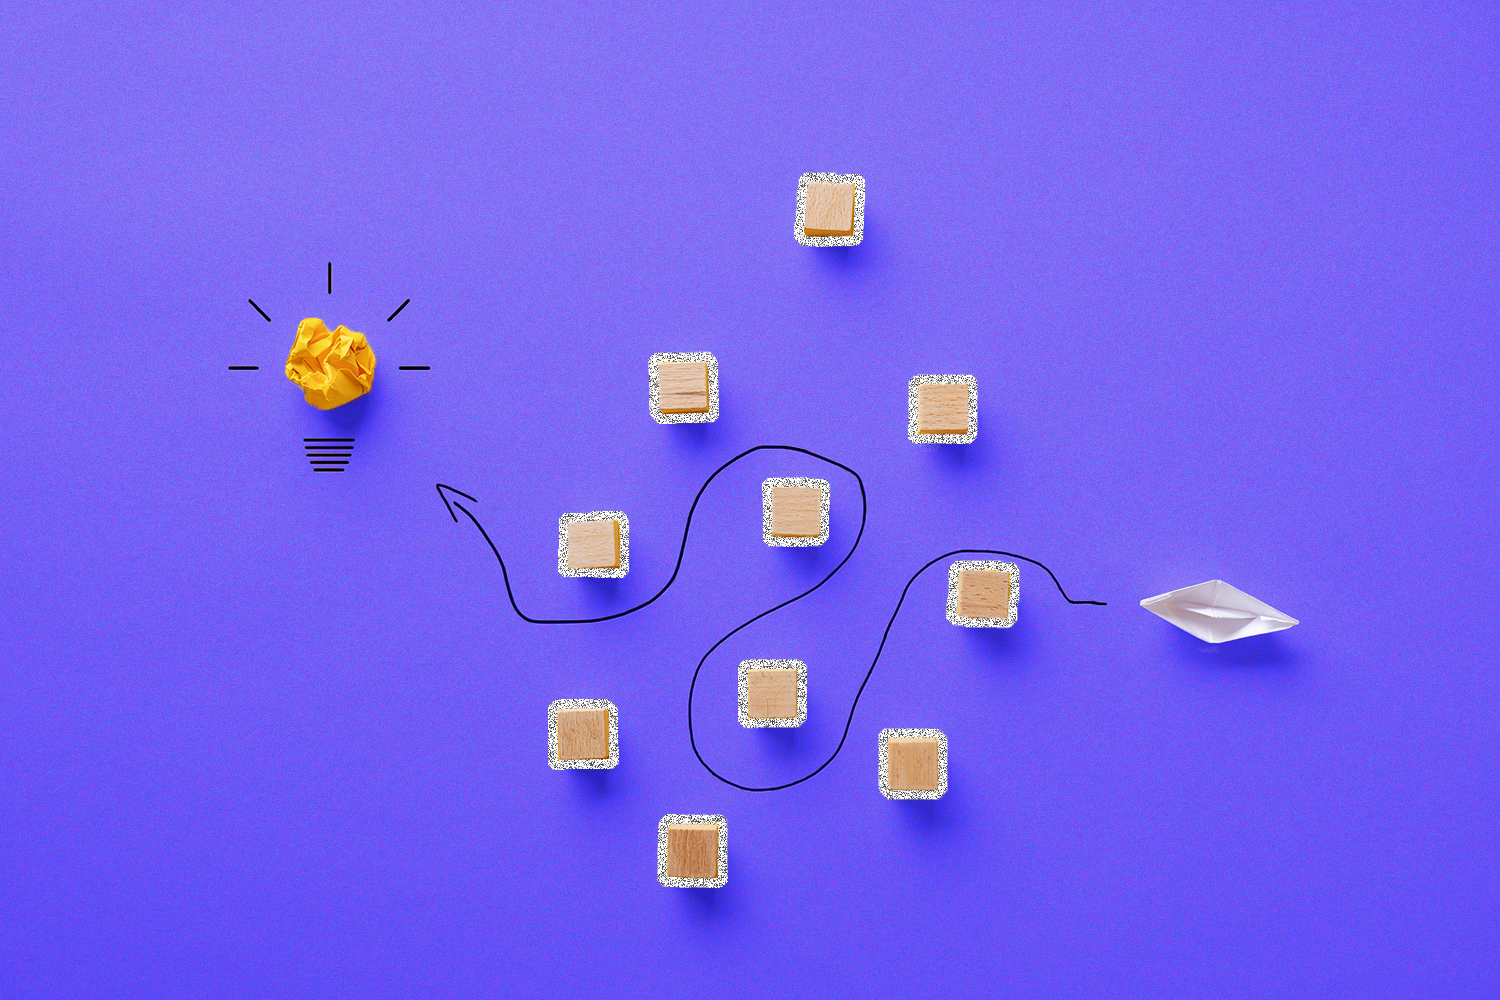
<point x="1271" y="652"/>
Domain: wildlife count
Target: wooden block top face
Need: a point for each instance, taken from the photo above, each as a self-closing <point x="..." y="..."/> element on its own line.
<point x="693" y="850"/>
<point x="912" y="764"/>
<point x="942" y="409"/>
<point x="682" y="386"/>
<point x="583" y="734"/>
<point x="829" y="210"/>
<point x="983" y="594"/>
<point x="593" y="544"/>
<point x="772" y="694"/>
<point x="796" y="511"/>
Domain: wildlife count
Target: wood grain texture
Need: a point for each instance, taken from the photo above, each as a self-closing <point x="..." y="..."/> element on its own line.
<point x="771" y="693"/>
<point x="796" y="511"/>
<point x="682" y="386"/>
<point x="693" y="850"/>
<point x="582" y="733"/>
<point x="942" y="409"/>
<point x="983" y="594"/>
<point x="828" y="210"/>
<point x="594" y="544"/>
<point x="911" y="764"/>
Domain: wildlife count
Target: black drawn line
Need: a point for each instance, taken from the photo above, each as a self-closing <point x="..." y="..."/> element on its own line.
<point x="692" y="686"/>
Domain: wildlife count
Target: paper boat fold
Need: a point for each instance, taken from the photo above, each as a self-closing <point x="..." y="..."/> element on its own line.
<point x="1217" y="612"/>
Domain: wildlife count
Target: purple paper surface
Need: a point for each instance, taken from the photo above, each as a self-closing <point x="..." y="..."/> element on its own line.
<point x="1226" y="278"/>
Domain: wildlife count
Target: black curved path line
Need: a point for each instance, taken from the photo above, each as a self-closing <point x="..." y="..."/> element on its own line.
<point x="850" y="721"/>
<point x="863" y="518"/>
<point x="864" y="511"/>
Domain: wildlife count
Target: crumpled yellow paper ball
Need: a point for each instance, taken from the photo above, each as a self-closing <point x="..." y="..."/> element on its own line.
<point x="332" y="368"/>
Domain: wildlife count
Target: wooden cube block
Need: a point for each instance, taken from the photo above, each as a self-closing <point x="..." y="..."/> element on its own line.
<point x="912" y="764"/>
<point x="983" y="594"/>
<point x="942" y="409"/>
<point x="682" y="386"/>
<point x="582" y="733"/>
<point x="692" y="850"/>
<point x="828" y="210"/>
<point x="796" y="511"/>
<point x="772" y="694"/>
<point x="593" y="544"/>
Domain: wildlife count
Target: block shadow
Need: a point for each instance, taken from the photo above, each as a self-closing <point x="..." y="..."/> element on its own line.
<point x="595" y="785"/>
<point x="712" y="907"/>
<point x="606" y="595"/>
<point x="869" y="256"/>
<point x="699" y="437"/>
<point x="938" y="820"/>
<point x="962" y="459"/>
<point x="806" y="563"/>
<point x="790" y="744"/>
<point x="1004" y="646"/>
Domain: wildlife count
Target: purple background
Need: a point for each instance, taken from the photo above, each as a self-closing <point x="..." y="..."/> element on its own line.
<point x="1226" y="279"/>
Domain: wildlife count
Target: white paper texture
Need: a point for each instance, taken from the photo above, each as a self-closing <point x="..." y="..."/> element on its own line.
<point x="1217" y="612"/>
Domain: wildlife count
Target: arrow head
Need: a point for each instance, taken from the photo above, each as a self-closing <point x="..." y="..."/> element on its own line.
<point x="443" y="486"/>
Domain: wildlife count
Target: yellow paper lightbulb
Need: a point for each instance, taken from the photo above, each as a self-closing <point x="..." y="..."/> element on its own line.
<point x="331" y="367"/>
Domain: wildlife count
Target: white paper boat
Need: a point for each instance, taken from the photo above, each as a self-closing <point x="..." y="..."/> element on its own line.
<point x="1217" y="612"/>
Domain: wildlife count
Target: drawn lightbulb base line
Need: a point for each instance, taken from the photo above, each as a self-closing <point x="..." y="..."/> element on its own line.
<point x="328" y="454"/>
